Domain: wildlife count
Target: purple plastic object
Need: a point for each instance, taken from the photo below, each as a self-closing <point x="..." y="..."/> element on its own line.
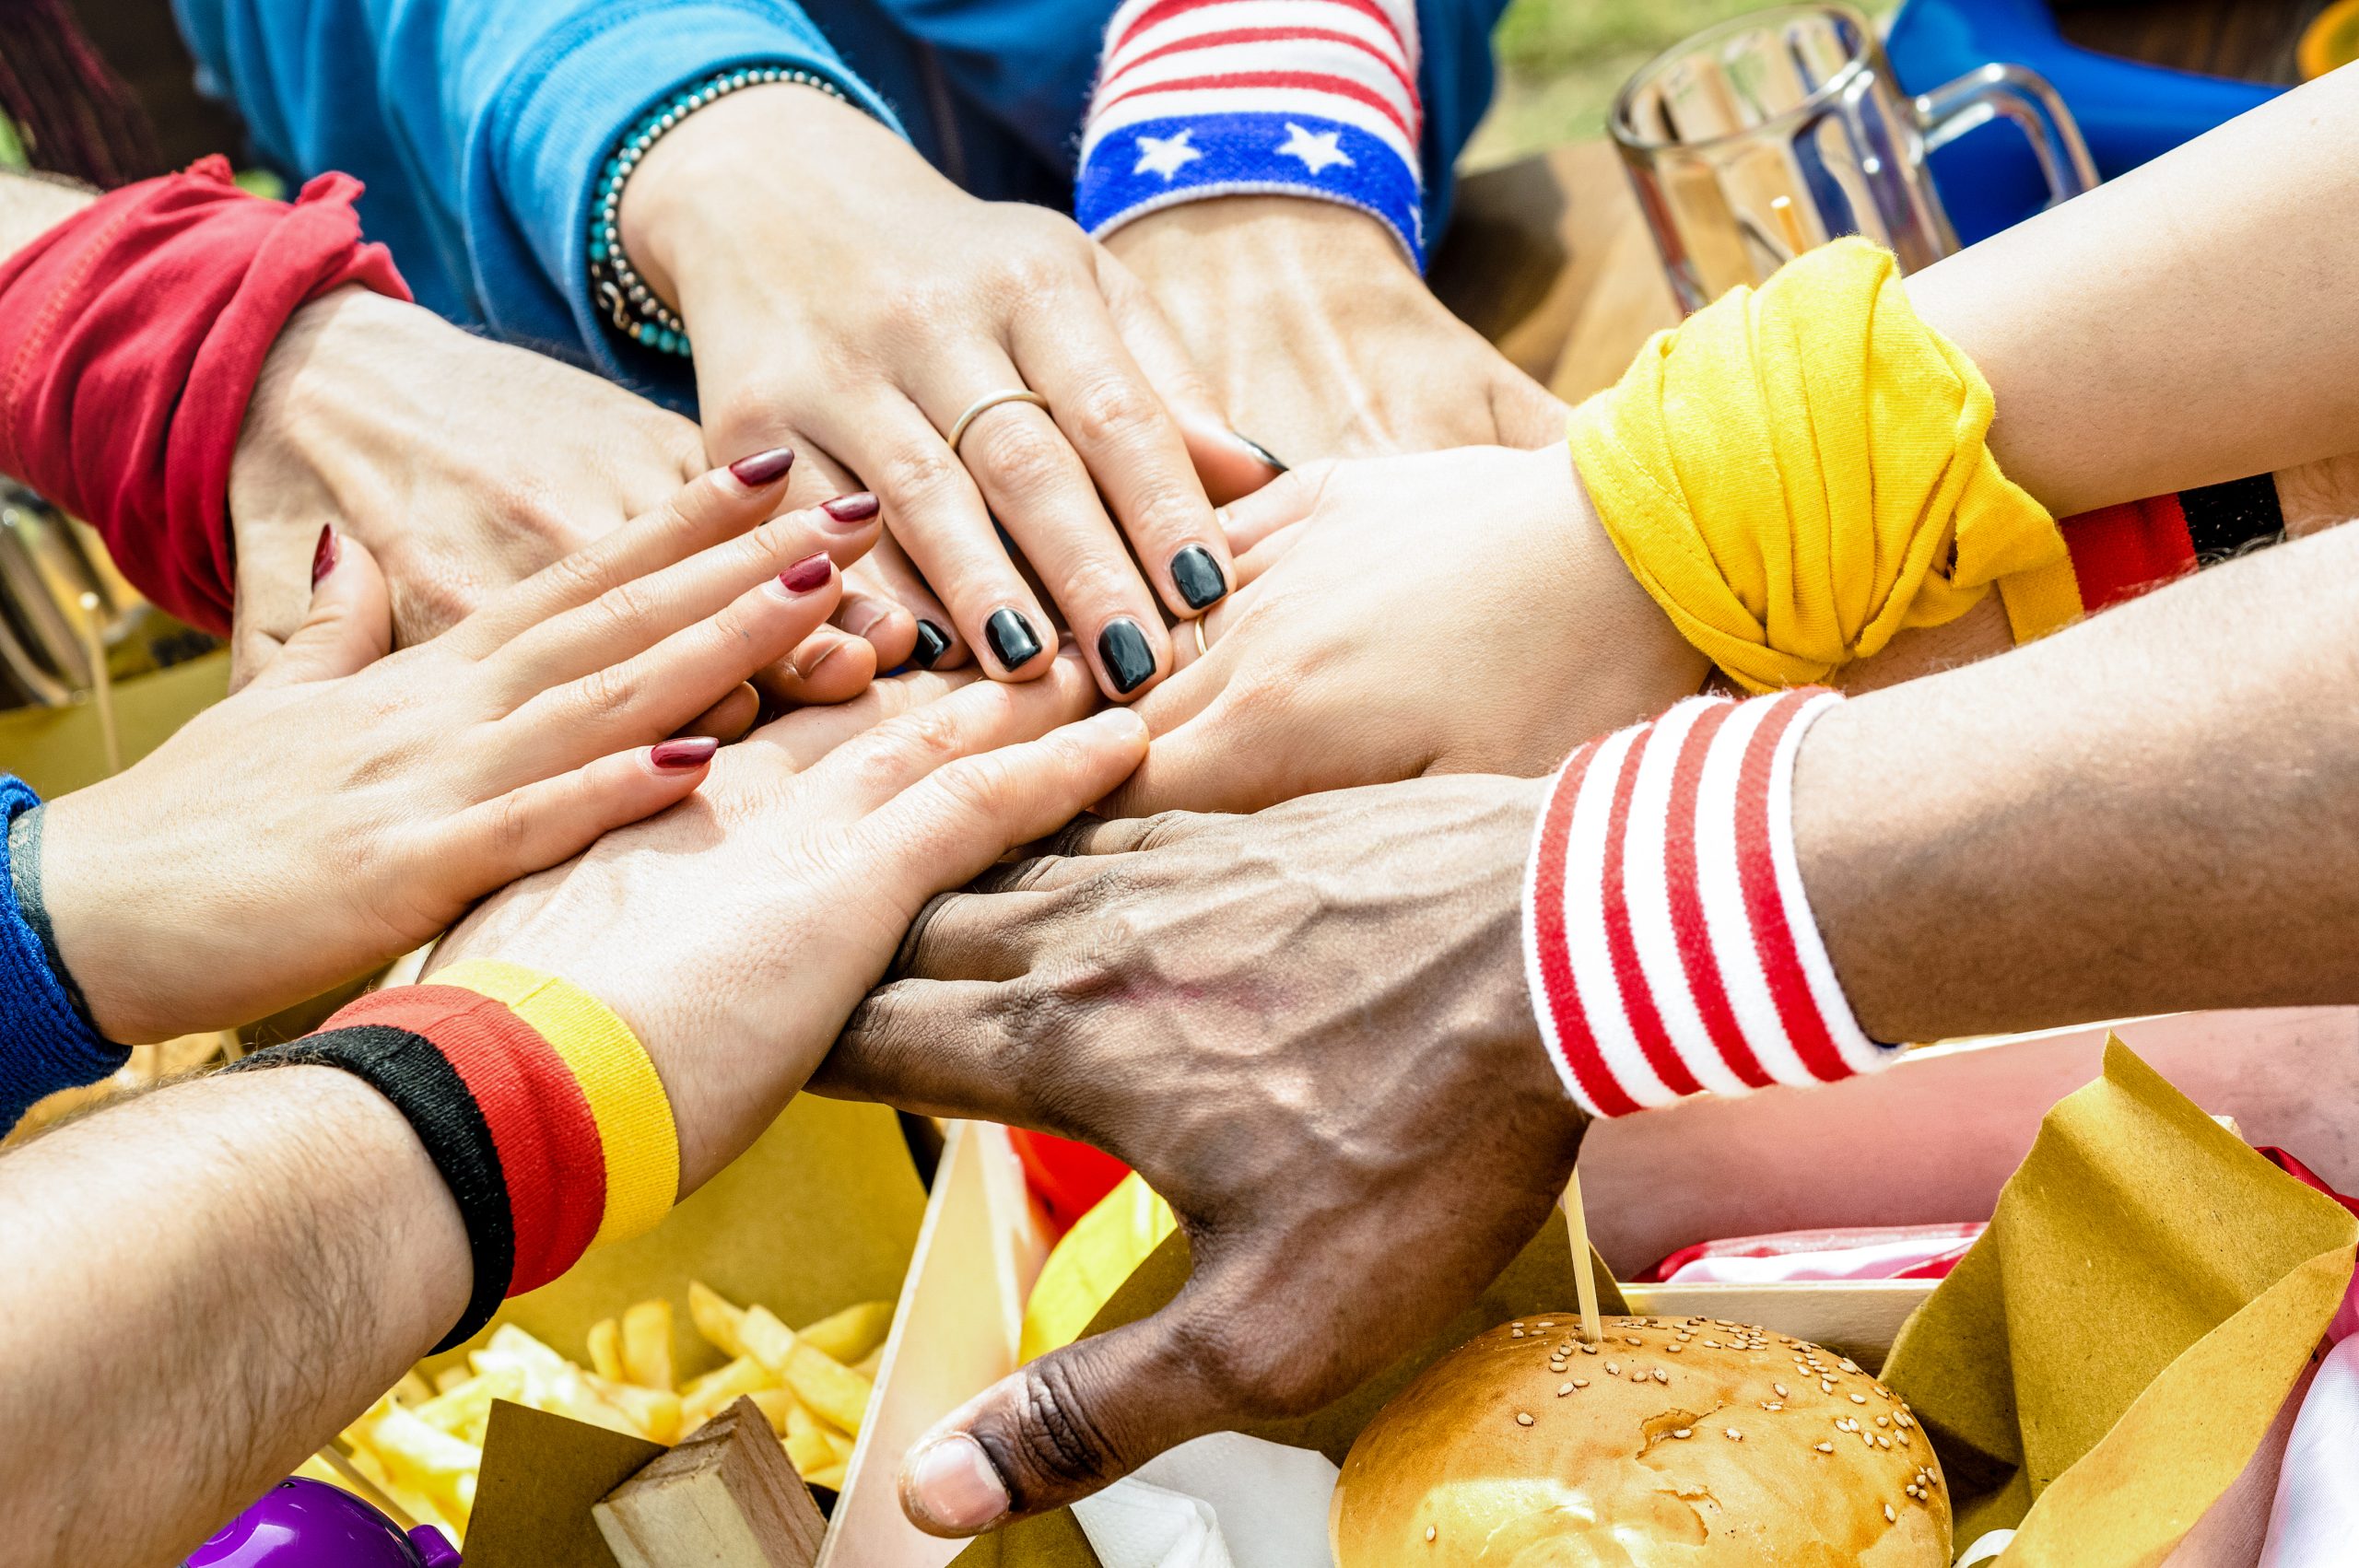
<point x="309" y="1523"/>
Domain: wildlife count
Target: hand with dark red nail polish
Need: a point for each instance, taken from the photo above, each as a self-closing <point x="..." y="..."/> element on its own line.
<point x="858" y="507"/>
<point x="328" y="801"/>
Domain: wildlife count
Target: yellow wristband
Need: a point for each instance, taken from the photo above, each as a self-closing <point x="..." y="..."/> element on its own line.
<point x="626" y="1100"/>
<point x="1798" y="472"/>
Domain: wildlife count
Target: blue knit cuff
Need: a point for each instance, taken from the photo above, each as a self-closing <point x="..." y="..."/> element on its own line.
<point x="1154" y="164"/>
<point x="45" y="1045"/>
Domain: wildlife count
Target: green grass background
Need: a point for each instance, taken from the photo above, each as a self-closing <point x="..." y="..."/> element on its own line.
<point x="1561" y="60"/>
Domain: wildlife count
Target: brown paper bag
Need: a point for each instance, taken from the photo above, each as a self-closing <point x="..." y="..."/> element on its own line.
<point x="2104" y="1361"/>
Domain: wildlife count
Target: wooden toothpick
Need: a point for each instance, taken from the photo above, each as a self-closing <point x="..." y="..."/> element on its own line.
<point x="1584" y="1275"/>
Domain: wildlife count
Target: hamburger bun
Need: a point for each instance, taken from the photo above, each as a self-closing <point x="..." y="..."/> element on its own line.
<point x="1676" y="1441"/>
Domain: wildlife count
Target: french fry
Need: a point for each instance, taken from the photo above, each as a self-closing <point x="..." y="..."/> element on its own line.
<point x="841" y="1444"/>
<point x="451" y="1376"/>
<point x="424" y="1458"/>
<point x="412" y="1390"/>
<point x="551" y="1382"/>
<point x="716" y="1390"/>
<point x="848" y="1335"/>
<point x="834" y="1391"/>
<point x="606" y="1350"/>
<point x="716" y="1320"/>
<point x="647" y="1344"/>
<point x="416" y="1504"/>
<point x="776" y="1404"/>
<point x="807" y="1446"/>
<point x="656" y="1412"/>
<point x="869" y="1364"/>
<point x="832" y="1477"/>
<point x="465" y="1410"/>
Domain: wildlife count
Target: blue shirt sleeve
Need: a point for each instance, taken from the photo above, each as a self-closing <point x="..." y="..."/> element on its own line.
<point x="46" y="1043"/>
<point x="480" y="126"/>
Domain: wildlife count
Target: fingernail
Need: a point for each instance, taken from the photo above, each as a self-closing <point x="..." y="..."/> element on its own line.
<point x="954" y="1486"/>
<point x="323" y="554"/>
<point x="858" y="507"/>
<point x="1260" y="451"/>
<point x="678" y="756"/>
<point x="1012" y="638"/>
<point x="763" y="468"/>
<point x="933" y="643"/>
<point x="1123" y="649"/>
<point x="1198" y="577"/>
<point x="807" y="575"/>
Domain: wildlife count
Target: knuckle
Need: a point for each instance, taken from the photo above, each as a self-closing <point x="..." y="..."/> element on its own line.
<point x="1111" y="410"/>
<point x="918" y="476"/>
<point x="608" y="689"/>
<point x="510" y="829"/>
<point x="1026" y="455"/>
<point x="1055" y="1435"/>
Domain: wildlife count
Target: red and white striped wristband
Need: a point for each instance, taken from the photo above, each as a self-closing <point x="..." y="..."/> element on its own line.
<point x="1668" y="939"/>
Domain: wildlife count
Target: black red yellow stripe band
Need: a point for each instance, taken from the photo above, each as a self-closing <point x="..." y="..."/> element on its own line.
<point x="536" y="1103"/>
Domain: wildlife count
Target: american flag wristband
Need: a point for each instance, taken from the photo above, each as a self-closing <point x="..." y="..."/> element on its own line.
<point x="1198" y="99"/>
<point x="1668" y="939"/>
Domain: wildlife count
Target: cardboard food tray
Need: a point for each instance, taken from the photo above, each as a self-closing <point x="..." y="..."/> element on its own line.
<point x="1931" y="1140"/>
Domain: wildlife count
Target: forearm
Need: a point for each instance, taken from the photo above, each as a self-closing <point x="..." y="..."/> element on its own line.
<point x="203" y="1285"/>
<point x="2184" y="324"/>
<point x="2152" y="811"/>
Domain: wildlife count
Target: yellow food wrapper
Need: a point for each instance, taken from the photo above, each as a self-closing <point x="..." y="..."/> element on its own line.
<point x="2106" y="1359"/>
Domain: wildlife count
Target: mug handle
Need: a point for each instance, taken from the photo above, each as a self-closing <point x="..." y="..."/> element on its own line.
<point x="2011" y="92"/>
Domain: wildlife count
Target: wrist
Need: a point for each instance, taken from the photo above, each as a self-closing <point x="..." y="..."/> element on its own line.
<point x="1264" y="254"/>
<point x="695" y="193"/>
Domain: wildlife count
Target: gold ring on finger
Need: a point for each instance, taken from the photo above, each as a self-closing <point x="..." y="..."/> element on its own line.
<point x="988" y="401"/>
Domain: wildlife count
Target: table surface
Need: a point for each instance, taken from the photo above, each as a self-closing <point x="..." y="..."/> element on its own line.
<point x="1548" y="258"/>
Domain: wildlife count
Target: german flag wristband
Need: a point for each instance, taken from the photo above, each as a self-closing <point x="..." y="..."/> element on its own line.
<point x="536" y="1102"/>
<point x="2118" y="552"/>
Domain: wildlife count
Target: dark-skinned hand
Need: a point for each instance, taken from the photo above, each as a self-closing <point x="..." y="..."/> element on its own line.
<point x="1307" y="1029"/>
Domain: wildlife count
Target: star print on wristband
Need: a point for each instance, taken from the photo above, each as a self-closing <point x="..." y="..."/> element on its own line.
<point x="1199" y="99"/>
<point x="1166" y="155"/>
<point x="1317" y="149"/>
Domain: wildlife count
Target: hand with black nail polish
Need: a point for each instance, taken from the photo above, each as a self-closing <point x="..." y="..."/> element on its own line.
<point x="1043" y="452"/>
<point x="1454" y="612"/>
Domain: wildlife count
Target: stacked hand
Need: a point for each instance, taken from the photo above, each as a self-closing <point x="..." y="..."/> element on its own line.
<point x="1319" y="339"/>
<point x="464" y="466"/>
<point x="346" y="805"/>
<point x="955" y="298"/>
<point x="764" y="909"/>
<point x="1454" y="612"/>
<point x="1307" y="1030"/>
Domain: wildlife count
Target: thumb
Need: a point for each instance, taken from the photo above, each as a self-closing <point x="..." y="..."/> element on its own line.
<point x="350" y="624"/>
<point x="1069" y="1423"/>
<point x="1226" y="463"/>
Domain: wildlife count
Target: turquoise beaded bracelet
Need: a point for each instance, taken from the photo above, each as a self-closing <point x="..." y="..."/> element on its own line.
<point x="615" y="284"/>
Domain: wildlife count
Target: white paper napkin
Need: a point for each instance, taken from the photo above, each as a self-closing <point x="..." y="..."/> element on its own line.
<point x="1223" y="1500"/>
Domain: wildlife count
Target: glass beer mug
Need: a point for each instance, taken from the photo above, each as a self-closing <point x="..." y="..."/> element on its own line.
<point x="1757" y="139"/>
